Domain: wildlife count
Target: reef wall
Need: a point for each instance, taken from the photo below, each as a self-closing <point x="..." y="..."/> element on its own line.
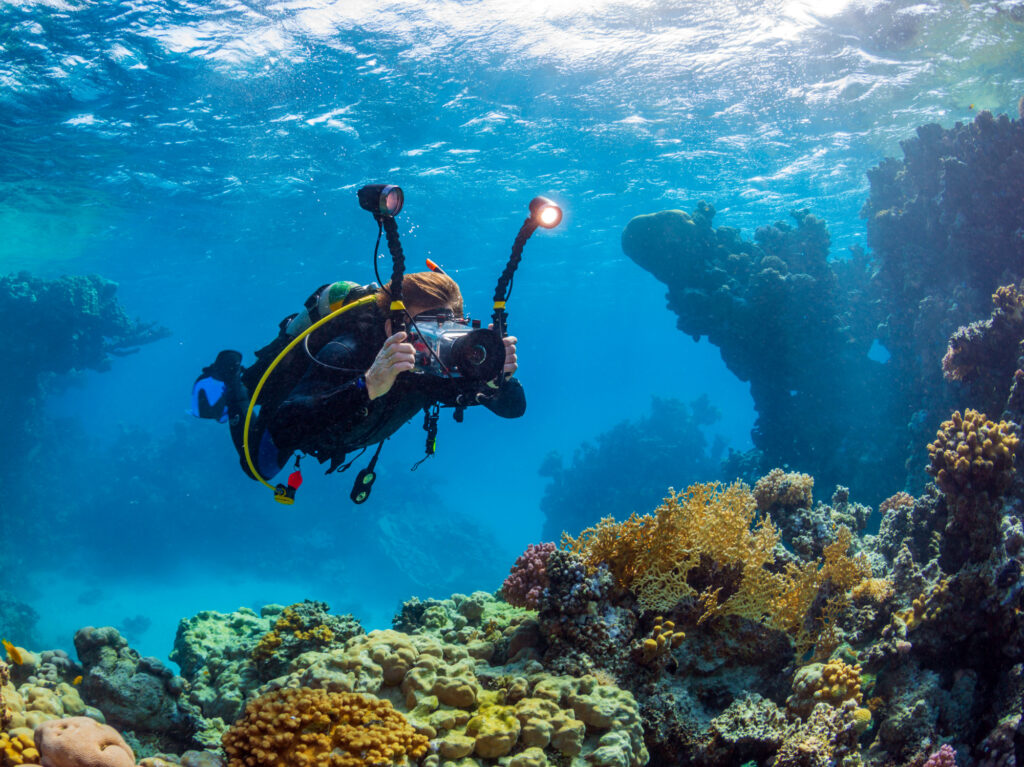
<point x="946" y="227"/>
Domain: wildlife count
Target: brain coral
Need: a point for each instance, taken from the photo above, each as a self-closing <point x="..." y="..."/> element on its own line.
<point x="306" y="728"/>
<point x="79" y="741"/>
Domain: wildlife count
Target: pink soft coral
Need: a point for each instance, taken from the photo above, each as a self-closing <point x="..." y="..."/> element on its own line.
<point x="944" y="757"/>
<point x="528" y="578"/>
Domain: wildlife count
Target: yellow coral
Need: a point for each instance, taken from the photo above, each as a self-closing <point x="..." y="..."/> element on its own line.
<point x="304" y="727"/>
<point x="780" y="489"/>
<point x="896" y="501"/>
<point x="19" y="748"/>
<point x="834" y="682"/>
<point x="927" y="606"/>
<point x="877" y="590"/>
<point x="972" y="456"/>
<point x="661" y="641"/>
<point x="709" y="535"/>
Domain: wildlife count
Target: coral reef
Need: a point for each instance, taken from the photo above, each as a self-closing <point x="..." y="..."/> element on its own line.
<point x="467" y="707"/>
<point x="943" y="223"/>
<point x="983" y="355"/>
<point x="56" y="326"/>
<point x="704" y="546"/>
<point x="301" y="627"/>
<point x="677" y="450"/>
<point x="214" y="651"/>
<point x="795" y="325"/>
<point x="528" y="577"/>
<point x="304" y="727"/>
<point x="972" y="462"/>
<point x="136" y="693"/>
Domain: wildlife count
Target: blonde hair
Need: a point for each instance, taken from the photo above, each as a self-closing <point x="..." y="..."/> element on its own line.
<point x="425" y="290"/>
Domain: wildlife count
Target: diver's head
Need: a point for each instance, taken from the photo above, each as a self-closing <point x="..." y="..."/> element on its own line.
<point x="227" y="364"/>
<point x="424" y="292"/>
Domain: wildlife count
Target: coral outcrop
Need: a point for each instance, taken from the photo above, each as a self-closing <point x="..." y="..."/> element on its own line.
<point x="528" y="577"/>
<point x="983" y="356"/>
<point x="943" y="222"/>
<point x="55" y="326"/>
<point x="478" y="713"/>
<point x="305" y="728"/>
<point x="972" y="460"/>
<point x="300" y="628"/>
<point x="795" y="325"/>
<point x="79" y="741"/>
<point x="135" y="693"/>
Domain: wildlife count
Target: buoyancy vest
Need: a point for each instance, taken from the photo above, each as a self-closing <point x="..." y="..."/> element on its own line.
<point x="289" y="371"/>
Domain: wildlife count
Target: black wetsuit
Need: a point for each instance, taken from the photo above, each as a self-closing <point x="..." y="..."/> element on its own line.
<point x="329" y="414"/>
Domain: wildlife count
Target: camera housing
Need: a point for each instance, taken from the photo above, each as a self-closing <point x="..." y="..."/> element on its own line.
<point x="456" y="348"/>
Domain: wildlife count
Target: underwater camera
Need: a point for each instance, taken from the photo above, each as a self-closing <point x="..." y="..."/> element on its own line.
<point x="451" y="347"/>
<point x="446" y="346"/>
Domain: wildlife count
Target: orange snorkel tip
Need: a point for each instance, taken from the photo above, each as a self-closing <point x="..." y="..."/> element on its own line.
<point x="432" y="266"/>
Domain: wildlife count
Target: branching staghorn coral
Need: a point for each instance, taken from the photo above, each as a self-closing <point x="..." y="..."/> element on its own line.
<point x="708" y="544"/>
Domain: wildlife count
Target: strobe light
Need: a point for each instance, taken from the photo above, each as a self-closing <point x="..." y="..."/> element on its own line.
<point x="381" y="199"/>
<point x="545" y="213"/>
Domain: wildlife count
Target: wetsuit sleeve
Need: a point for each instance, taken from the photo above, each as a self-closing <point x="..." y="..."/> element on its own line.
<point x="510" y="401"/>
<point x="324" y="398"/>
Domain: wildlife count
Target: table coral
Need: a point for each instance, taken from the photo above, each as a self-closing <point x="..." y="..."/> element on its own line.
<point x="308" y="728"/>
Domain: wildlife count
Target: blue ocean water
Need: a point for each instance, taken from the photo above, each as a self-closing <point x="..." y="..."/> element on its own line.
<point x="205" y="156"/>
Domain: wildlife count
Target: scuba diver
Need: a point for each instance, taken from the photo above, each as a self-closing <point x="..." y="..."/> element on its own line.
<point x="359" y="361"/>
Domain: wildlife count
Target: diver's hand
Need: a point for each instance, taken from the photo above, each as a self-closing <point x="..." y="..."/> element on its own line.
<point x="394" y="357"/>
<point x="511" y="360"/>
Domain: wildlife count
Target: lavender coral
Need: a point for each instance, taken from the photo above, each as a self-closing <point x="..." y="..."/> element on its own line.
<point x="944" y="757"/>
<point x="528" y="577"/>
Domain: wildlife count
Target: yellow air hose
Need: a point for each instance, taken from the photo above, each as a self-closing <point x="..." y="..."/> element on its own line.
<point x="259" y="387"/>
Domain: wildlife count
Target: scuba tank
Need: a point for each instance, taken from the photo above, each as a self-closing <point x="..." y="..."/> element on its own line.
<point x="291" y="369"/>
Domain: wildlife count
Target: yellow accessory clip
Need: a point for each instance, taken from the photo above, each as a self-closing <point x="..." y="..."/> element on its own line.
<point x="499" y="304"/>
<point x="397" y="306"/>
<point x="259" y="387"/>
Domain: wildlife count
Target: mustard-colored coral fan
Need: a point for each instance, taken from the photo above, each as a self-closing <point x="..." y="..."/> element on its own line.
<point x="706" y="543"/>
<point x="973" y="456"/>
<point x="315" y="728"/>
